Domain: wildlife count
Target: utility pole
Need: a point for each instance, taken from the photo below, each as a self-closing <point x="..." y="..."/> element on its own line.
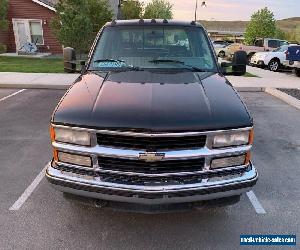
<point x="119" y="14"/>
<point x="203" y="4"/>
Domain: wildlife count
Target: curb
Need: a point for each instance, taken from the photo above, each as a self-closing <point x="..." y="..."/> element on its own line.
<point x="284" y="97"/>
<point x="249" y="89"/>
<point x="34" y="86"/>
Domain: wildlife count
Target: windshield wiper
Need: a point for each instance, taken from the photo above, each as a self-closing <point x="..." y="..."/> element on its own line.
<point x="184" y="66"/>
<point x="109" y="60"/>
<point x="123" y="65"/>
<point x="166" y="61"/>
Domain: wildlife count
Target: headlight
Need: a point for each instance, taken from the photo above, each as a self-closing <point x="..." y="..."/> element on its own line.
<point x="231" y="161"/>
<point x="233" y="139"/>
<point x="261" y="57"/>
<point x="71" y="136"/>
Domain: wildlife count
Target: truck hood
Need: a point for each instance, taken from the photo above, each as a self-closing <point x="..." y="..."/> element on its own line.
<point x="147" y="101"/>
<point x="262" y="54"/>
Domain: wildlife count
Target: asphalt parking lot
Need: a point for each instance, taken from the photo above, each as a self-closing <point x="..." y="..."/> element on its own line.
<point x="46" y="221"/>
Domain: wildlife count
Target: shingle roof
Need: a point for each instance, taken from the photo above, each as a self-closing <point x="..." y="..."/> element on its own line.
<point x="51" y="3"/>
<point x="46" y="3"/>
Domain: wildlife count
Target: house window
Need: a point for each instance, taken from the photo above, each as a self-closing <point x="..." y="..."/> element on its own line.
<point x="36" y="32"/>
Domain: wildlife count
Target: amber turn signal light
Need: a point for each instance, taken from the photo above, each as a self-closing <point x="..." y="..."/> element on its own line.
<point x="251" y="136"/>
<point x="52" y="134"/>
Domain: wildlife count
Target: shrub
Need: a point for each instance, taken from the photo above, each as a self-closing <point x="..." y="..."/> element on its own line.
<point x="3" y="48"/>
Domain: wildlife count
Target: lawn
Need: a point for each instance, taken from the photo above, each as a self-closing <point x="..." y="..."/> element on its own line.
<point x="40" y="65"/>
<point x="249" y="75"/>
<point x="31" y="65"/>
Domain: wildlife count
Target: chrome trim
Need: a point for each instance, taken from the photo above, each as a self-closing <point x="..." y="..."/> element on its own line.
<point x="74" y="178"/>
<point x="160" y="134"/>
<point x="134" y="154"/>
<point x="164" y="200"/>
<point x="100" y="170"/>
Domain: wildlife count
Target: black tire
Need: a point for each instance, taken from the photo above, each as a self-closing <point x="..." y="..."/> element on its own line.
<point x="274" y="65"/>
<point x="297" y="72"/>
<point x="221" y="54"/>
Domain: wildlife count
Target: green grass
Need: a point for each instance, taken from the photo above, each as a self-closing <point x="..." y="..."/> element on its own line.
<point x="31" y="65"/>
<point x="249" y="75"/>
<point x="39" y="65"/>
<point x="229" y="69"/>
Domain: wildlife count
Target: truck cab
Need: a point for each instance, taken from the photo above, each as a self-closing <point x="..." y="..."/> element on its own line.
<point x="259" y="45"/>
<point x="152" y="122"/>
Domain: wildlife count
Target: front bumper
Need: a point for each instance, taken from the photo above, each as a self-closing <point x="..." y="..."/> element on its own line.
<point x="210" y="189"/>
<point x="256" y="62"/>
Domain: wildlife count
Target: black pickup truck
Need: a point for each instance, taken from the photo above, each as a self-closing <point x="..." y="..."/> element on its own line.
<point x="152" y="122"/>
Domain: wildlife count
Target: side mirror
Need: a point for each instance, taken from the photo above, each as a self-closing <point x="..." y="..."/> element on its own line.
<point x="239" y="63"/>
<point x="224" y="66"/>
<point x="69" y="60"/>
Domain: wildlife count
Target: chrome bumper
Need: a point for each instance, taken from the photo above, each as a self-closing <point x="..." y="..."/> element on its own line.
<point x="208" y="189"/>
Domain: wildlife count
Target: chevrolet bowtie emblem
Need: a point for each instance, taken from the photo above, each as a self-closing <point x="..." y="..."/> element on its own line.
<point x="151" y="156"/>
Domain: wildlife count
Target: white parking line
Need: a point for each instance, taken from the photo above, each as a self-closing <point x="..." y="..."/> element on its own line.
<point x="255" y="203"/>
<point x="22" y="199"/>
<point x="11" y="95"/>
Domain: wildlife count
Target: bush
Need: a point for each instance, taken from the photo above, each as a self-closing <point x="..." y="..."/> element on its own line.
<point x="77" y="22"/>
<point x="3" y="48"/>
<point x="3" y="14"/>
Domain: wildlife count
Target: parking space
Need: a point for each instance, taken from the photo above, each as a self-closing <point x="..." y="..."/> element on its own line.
<point x="47" y="221"/>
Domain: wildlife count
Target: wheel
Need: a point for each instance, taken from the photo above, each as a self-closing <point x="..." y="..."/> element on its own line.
<point x="221" y="54"/>
<point x="297" y="72"/>
<point x="274" y="65"/>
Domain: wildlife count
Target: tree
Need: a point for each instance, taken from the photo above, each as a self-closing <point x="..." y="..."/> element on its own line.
<point x="262" y="25"/>
<point x="159" y="9"/>
<point x="77" y="22"/>
<point x="132" y="9"/>
<point x="3" y="14"/>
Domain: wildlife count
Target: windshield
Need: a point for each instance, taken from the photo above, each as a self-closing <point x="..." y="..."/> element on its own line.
<point x="282" y="48"/>
<point x="153" y="47"/>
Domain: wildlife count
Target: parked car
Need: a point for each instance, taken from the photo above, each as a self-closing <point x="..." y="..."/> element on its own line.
<point x="260" y="45"/>
<point x="152" y="124"/>
<point x="220" y="43"/>
<point x="293" y="59"/>
<point x="273" y="59"/>
<point x="221" y="48"/>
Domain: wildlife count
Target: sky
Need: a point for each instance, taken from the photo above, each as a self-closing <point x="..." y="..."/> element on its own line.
<point x="223" y="10"/>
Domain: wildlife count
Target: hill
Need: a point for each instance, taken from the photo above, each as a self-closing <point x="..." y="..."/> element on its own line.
<point x="286" y="25"/>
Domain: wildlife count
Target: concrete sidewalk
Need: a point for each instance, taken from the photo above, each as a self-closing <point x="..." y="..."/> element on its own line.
<point x="266" y="79"/>
<point x="36" y="80"/>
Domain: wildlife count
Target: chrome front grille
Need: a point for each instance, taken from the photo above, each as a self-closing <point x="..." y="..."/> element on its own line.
<point x="158" y="167"/>
<point x="151" y="143"/>
<point x="116" y="158"/>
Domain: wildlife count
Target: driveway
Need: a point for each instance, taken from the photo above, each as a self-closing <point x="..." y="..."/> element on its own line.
<point x="45" y="220"/>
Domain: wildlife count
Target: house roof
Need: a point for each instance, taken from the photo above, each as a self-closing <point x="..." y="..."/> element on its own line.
<point x="46" y="3"/>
